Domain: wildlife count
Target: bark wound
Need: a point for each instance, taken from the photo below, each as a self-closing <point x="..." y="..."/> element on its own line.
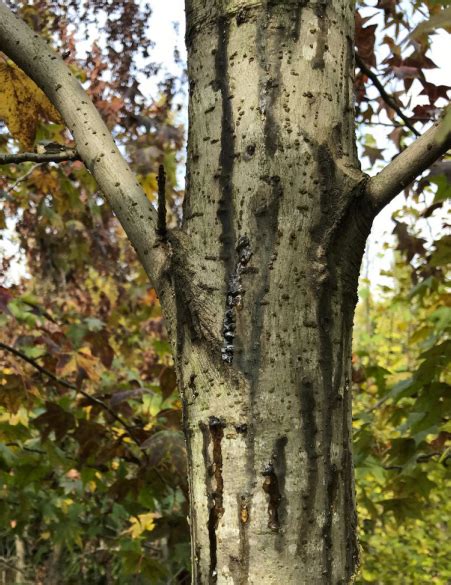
<point x="271" y="487"/>
<point x="234" y="299"/>
<point x="274" y="483"/>
<point x="213" y="435"/>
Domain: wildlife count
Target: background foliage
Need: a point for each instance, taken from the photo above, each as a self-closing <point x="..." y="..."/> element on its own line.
<point x="92" y="467"/>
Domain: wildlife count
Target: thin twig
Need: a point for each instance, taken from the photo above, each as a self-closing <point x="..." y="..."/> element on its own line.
<point x="161" y="226"/>
<point x="379" y="403"/>
<point x="388" y="99"/>
<point x="66" y="384"/>
<point x="23" y="177"/>
<point x="394" y="125"/>
<point x="420" y="459"/>
<point x="47" y="157"/>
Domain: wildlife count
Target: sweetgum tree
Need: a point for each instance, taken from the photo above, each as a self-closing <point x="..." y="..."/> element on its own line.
<point x="258" y="284"/>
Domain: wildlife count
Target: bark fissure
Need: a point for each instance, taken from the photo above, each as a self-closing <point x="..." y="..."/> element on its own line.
<point x="274" y="486"/>
<point x="213" y="434"/>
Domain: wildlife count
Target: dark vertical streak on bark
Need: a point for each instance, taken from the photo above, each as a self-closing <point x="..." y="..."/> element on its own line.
<point x="225" y="210"/>
<point x="270" y="83"/>
<point x="349" y="99"/>
<point x="226" y="158"/>
<point x="320" y="11"/>
<point x="297" y="12"/>
<point x="217" y="509"/>
<point x="209" y="492"/>
<point x="309" y="432"/>
<point x="280" y="469"/>
<point x="213" y="434"/>
<point x="217" y="434"/>
<point x="271" y="131"/>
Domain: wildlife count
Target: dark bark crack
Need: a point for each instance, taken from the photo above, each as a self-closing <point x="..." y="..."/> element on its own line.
<point x="213" y="435"/>
<point x="274" y="485"/>
<point x="271" y="488"/>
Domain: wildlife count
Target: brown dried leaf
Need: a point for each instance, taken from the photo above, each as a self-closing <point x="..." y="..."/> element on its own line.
<point x="22" y="104"/>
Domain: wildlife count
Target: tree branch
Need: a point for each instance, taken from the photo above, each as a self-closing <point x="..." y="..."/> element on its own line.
<point x="94" y="142"/>
<point x="403" y="169"/>
<point x="20" y="157"/>
<point x="388" y="99"/>
<point x="66" y="384"/>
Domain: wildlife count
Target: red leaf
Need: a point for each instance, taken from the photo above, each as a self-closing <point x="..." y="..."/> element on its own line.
<point x="434" y="92"/>
<point x="365" y="38"/>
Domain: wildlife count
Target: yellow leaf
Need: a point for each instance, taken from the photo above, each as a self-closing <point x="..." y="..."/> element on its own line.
<point x="22" y="104"/>
<point x="149" y="185"/>
<point x="69" y="367"/>
<point x="141" y="523"/>
<point x="83" y="360"/>
<point x="90" y="364"/>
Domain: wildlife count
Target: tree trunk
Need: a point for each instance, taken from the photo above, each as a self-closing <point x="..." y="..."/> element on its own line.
<point x="264" y="306"/>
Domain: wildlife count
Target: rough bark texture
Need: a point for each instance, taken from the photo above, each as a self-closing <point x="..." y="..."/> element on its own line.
<point x="274" y="218"/>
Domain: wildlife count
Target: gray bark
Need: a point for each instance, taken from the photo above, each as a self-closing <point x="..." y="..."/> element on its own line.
<point x="259" y="286"/>
<point x="276" y="222"/>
